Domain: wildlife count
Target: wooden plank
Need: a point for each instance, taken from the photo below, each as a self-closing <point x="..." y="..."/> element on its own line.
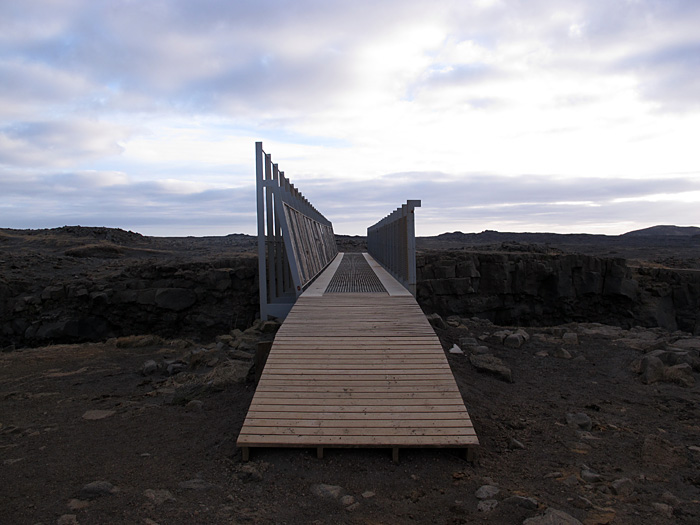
<point x="337" y="338"/>
<point x="347" y="430"/>
<point x="413" y="416"/>
<point x="357" y="370"/>
<point x="313" y="360"/>
<point x="358" y="405"/>
<point x="290" y="440"/>
<point x="420" y="373"/>
<point x="392" y="349"/>
<point x="308" y="382"/>
<point x="346" y="365"/>
<point x="364" y="406"/>
<point x="335" y="387"/>
<point x="428" y="390"/>
<point x="370" y="396"/>
<point x="357" y="423"/>
<point x="354" y="384"/>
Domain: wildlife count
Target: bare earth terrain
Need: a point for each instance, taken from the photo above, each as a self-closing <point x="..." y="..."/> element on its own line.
<point x="585" y="422"/>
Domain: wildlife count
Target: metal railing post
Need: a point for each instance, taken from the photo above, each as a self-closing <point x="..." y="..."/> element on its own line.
<point x="262" y="264"/>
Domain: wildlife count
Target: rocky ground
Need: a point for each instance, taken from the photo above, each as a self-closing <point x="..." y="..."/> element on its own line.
<point x="580" y="422"/>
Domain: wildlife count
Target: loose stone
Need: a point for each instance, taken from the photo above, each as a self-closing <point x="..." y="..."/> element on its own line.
<point x="570" y="338"/>
<point x="622" y="487"/>
<point x="347" y="500"/>
<point x="553" y="517"/>
<point x="93" y="415"/>
<point x="456" y="350"/>
<point x="521" y="501"/>
<point x="582" y="503"/>
<point x="515" y="444"/>
<point x="149" y="367"/>
<point x="159" y="496"/>
<point x="491" y="364"/>
<point x="589" y="476"/>
<point x="663" y="509"/>
<point x="579" y="420"/>
<point x="487" y="491"/>
<point x="468" y="341"/>
<point x="487" y="505"/>
<point x="77" y="504"/>
<point x="195" y="484"/>
<point x="670" y="498"/>
<point x="249" y="472"/>
<point x="514" y="340"/>
<point x="562" y="353"/>
<point x="97" y="489"/>
<point x="194" y="406"/>
<point x="327" y="491"/>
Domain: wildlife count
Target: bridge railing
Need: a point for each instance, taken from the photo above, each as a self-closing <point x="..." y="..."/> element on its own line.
<point x="295" y="241"/>
<point x="392" y="243"/>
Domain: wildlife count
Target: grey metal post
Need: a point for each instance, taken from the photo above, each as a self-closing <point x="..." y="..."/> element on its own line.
<point x="411" y="244"/>
<point x="262" y="267"/>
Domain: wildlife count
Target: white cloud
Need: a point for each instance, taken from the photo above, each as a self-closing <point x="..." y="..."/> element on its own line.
<point x="59" y="143"/>
<point x="161" y="103"/>
<point x="33" y="90"/>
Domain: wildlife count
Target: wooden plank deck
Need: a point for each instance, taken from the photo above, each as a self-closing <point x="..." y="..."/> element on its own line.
<point x="357" y="370"/>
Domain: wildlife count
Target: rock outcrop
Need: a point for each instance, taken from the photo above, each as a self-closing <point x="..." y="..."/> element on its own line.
<point x="203" y="298"/>
<point x="193" y="299"/>
<point x="534" y="289"/>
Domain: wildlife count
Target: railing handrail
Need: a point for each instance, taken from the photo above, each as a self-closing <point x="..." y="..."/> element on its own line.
<point x="295" y="241"/>
<point x="392" y="243"/>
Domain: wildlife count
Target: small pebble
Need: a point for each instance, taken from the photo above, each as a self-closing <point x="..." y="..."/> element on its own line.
<point x="347" y="500"/>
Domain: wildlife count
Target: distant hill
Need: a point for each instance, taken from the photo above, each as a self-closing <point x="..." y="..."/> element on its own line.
<point x="667" y="246"/>
<point x="665" y="231"/>
<point x="491" y="236"/>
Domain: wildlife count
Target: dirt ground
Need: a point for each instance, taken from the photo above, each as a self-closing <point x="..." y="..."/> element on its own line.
<point x="163" y="452"/>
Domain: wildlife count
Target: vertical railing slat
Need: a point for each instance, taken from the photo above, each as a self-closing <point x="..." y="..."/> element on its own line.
<point x="295" y="242"/>
<point x="392" y="243"/>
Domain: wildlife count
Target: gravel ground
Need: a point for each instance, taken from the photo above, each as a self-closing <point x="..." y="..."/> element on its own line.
<point x="86" y="438"/>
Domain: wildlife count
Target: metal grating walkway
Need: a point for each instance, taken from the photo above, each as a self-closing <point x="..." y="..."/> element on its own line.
<point x="354" y="275"/>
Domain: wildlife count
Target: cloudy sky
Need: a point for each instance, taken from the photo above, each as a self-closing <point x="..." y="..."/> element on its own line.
<point x="512" y="115"/>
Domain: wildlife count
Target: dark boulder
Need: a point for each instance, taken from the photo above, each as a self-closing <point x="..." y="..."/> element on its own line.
<point x="175" y="298"/>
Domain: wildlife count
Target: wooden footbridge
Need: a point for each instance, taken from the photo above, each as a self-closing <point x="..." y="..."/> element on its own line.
<point x="355" y="362"/>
